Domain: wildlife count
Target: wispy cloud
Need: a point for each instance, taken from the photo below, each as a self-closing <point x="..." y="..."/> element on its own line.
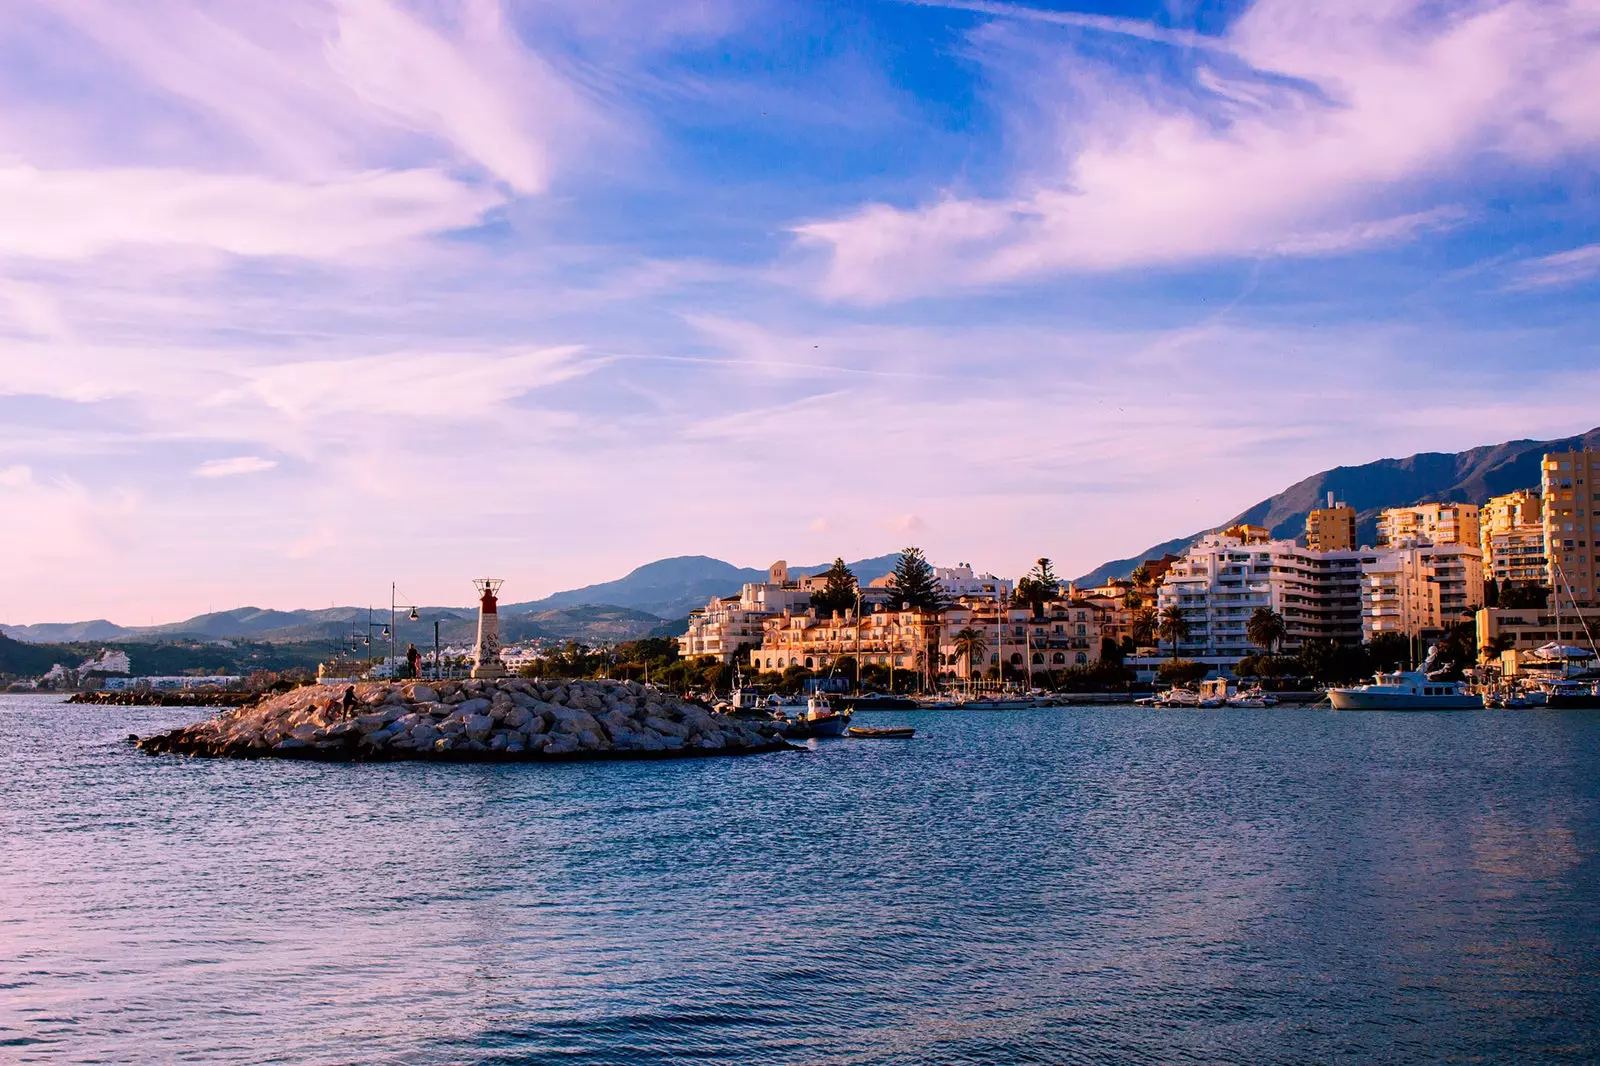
<point x="1403" y="94"/>
<point x="243" y="464"/>
<point x="1558" y="270"/>
<point x="1147" y="31"/>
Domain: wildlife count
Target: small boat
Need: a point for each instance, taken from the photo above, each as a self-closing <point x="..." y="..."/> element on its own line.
<point x="885" y="733"/>
<point x="1405" y="690"/>
<point x="819" y="719"/>
<point x="746" y="703"/>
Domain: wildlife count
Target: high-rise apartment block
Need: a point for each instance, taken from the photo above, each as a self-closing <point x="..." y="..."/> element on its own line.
<point x="1571" y="504"/>
<point x="1331" y="528"/>
<point x="1512" y="538"/>
<point x="1436" y="523"/>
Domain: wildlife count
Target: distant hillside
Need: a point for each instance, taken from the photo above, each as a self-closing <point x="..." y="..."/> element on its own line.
<point x="671" y="588"/>
<point x="1471" y="476"/>
<point x="650" y="601"/>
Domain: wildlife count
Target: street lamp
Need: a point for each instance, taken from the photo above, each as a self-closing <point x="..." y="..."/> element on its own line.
<point x="389" y="632"/>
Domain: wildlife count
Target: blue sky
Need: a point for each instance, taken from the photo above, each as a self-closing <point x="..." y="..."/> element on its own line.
<point x="298" y="299"/>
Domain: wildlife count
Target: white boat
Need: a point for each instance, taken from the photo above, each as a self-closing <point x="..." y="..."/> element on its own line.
<point x="1405" y="690"/>
<point x="1178" y="697"/>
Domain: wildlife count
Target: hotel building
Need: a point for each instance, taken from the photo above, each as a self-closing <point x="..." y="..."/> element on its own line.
<point x="1435" y="523"/>
<point x="1571" y="506"/>
<point x="1331" y="528"/>
<point x="1226" y="578"/>
<point x="722" y="625"/>
<point x="1512" y="538"/>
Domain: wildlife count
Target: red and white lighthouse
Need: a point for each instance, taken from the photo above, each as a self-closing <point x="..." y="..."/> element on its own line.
<point x="486" y="657"/>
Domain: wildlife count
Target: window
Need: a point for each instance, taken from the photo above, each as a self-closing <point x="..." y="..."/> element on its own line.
<point x="1059" y="658"/>
<point x="1083" y="659"/>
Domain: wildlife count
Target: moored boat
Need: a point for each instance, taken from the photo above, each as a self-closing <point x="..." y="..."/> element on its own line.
<point x="1405" y="690"/>
<point x="904" y="732"/>
<point x="819" y="719"/>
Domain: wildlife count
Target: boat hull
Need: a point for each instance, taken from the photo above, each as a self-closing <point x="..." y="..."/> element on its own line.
<point x="1355" y="700"/>
<point x="1584" y="701"/>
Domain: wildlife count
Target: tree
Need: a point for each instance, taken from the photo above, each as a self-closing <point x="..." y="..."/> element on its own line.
<point x="1386" y="651"/>
<point x="1145" y="621"/>
<point x="914" y="584"/>
<point x="1524" y="595"/>
<point x="1182" y="672"/>
<point x="1266" y="629"/>
<point x="1141" y="575"/>
<point x="971" y="644"/>
<point x="1172" y="626"/>
<point x="838" y="591"/>
<point x="1038" y="586"/>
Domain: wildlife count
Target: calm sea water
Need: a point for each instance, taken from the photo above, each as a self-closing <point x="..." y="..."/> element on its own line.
<point x="1086" y="885"/>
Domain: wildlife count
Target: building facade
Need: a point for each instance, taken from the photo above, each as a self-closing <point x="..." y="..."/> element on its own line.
<point x="1571" y="507"/>
<point x="1436" y="523"/>
<point x="1331" y="528"/>
<point x="1417" y="588"/>
<point x="725" y="623"/>
<point x="1225" y="579"/>
<point x="1512" y="538"/>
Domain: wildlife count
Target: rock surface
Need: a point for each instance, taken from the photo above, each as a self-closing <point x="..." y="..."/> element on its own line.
<point x="509" y="719"/>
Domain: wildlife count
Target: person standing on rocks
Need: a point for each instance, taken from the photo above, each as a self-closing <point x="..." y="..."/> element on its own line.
<point x="413" y="660"/>
<point x="349" y="700"/>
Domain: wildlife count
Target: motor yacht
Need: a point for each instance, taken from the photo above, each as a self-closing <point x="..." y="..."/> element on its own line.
<point x="1405" y="690"/>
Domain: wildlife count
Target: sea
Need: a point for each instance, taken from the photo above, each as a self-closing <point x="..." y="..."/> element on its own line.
<point x="1066" y="885"/>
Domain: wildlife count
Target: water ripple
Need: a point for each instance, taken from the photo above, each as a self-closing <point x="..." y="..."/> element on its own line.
<point x="1096" y="885"/>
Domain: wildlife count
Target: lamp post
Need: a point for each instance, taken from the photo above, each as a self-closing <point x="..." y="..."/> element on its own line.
<point x="413" y="616"/>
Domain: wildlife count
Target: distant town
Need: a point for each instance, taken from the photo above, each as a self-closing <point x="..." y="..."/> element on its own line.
<point x="1503" y="587"/>
<point x="1493" y="584"/>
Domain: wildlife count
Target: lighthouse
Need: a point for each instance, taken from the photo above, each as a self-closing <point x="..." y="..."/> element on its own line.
<point x="486" y="658"/>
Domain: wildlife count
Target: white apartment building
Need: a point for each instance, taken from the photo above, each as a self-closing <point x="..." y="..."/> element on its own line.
<point x="1340" y="596"/>
<point x="723" y="624"/>
<point x="956" y="582"/>
<point x="1416" y="587"/>
<point x="1226" y="578"/>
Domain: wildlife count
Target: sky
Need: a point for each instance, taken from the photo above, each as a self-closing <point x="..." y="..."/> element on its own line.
<point x="304" y="298"/>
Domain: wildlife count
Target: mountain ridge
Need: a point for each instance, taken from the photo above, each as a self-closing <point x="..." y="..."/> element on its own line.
<point x="673" y="587"/>
<point x="1469" y="476"/>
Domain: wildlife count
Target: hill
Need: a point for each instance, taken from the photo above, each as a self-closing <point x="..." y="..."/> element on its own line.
<point x="1471" y="476"/>
<point x="671" y="588"/>
<point x="652" y="600"/>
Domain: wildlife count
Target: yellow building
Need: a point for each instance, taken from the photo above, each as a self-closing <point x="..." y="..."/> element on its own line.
<point x="1331" y="528"/>
<point x="1571" y="503"/>
<point x="1512" y="538"/>
<point x="1436" y="523"/>
<point x="1248" y="534"/>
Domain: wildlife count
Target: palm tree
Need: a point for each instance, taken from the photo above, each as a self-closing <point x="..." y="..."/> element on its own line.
<point x="1172" y="626"/>
<point x="1266" y="629"/>
<point x="970" y="645"/>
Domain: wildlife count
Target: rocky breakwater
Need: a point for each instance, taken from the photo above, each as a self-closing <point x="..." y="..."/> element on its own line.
<point x="504" y="720"/>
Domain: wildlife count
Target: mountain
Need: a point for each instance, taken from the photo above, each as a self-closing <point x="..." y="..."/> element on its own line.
<point x="1471" y="476"/>
<point x="671" y="588"/>
<point x="650" y="601"/>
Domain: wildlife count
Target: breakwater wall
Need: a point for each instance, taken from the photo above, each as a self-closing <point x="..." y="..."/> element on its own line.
<point x="510" y="719"/>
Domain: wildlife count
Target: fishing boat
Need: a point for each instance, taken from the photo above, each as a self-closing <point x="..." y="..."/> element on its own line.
<point x="1405" y="690"/>
<point x="747" y="703"/>
<point x="903" y="732"/>
<point x="819" y="719"/>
